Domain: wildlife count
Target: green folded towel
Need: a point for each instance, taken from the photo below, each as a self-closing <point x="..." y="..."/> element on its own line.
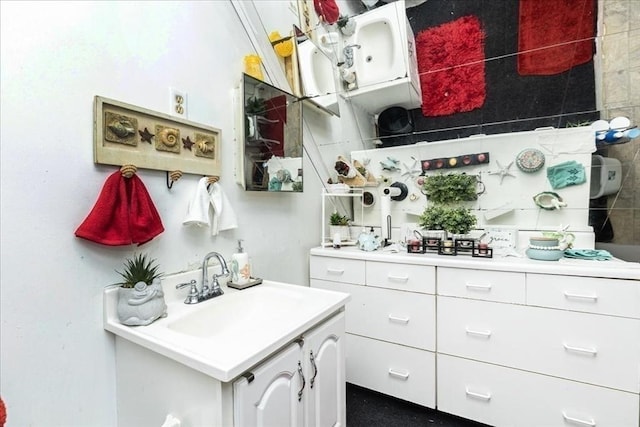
<point x="594" y="254"/>
<point x="565" y="174"/>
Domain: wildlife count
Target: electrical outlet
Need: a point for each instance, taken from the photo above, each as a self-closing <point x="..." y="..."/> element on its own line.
<point x="178" y="102"/>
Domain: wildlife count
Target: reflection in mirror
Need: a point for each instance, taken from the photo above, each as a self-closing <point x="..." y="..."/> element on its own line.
<point x="318" y="72"/>
<point x="272" y="150"/>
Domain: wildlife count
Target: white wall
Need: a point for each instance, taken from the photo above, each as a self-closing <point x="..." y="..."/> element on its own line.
<point x="57" y="365"/>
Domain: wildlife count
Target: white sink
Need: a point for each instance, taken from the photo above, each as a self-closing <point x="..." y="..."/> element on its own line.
<point x="317" y="74"/>
<point x="237" y="313"/>
<point x="225" y="336"/>
<point x="381" y="56"/>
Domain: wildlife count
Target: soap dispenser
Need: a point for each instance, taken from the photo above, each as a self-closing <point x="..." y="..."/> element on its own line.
<point x="240" y="268"/>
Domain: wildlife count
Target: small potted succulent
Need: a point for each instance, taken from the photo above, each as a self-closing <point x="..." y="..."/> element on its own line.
<point x="140" y="296"/>
<point x="339" y="224"/>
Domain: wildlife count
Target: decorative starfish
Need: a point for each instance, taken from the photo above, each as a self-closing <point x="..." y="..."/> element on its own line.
<point x="413" y="171"/>
<point x="187" y="143"/>
<point x="504" y="171"/>
<point x="145" y="135"/>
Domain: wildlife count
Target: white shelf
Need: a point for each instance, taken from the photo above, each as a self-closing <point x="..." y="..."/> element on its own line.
<point x="354" y="193"/>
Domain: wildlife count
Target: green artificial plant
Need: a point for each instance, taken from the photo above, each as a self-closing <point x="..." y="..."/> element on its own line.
<point x="138" y="269"/>
<point x="455" y="220"/>
<point x="450" y="188"/>
<point x="337" y="219"/>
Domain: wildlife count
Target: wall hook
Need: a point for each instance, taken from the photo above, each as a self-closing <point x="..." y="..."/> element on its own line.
<point x="212" y="180"/>
<point x="173" y="177"/>
<point x="128" y="170"/>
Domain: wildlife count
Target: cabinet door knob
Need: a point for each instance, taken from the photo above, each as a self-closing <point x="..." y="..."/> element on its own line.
<point x="483" y="396"/>
<point x="486" y="333"/>
<point x="585" y="350"/>
<point x="570" y="295"/>
<point x="315" y="369"/>
<point x="479" y="286"/>
<point x="396" y="319"/>
<point x="303" y="381"/>
<point x="398" y="278"/>
<point x="578" y="420"/>
<point x="398" y="374"/>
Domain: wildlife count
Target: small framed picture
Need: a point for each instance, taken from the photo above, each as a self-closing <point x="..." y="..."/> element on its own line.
<point x="502" y="239"/>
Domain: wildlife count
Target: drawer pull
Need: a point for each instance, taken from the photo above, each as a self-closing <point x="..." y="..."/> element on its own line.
<point x="398" y="278"/>
<point x="335" y="271"/>
<point x="398" y="374"/>
<point x="396" y="319"/>
<point x="569" y="295"/>
<point x="479" y="286"/>
<point x="486" y="334"/>
<point x="591" y="351"/>
<point x="481" y="396"/>
<point x="578" y="420"/>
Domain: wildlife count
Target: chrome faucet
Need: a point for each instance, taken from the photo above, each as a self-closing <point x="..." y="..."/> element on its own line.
<point x="348" y="54"/>
<point x="205" y="291"/>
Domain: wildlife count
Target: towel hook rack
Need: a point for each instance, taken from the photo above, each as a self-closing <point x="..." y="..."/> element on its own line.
<point x="128" y="170"/>
<point x="173" y="177"/>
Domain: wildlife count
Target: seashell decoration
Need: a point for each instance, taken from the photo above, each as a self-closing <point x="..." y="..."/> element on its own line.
<point x="205" y="146"/>
<point x="122" y="128"/>
<point x="169" y="136"/>
<point x="167" y="139"/>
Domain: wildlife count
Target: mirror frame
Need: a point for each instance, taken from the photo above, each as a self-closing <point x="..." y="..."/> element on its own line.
<point x="267" y="135"/>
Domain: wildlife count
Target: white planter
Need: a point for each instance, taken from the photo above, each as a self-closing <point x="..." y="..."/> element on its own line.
<point x="141" y="305"/>
<point x="342" y="230"/>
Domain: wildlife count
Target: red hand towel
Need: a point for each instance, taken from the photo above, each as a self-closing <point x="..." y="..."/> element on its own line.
<point x="327" y="10"/>
<point x="123" y="214"/>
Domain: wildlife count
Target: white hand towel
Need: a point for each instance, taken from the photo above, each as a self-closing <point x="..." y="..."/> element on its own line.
<point x="224" y="217"/>
<point x="198" y="211"/>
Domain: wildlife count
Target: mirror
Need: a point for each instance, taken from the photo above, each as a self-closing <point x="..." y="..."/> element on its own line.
<point x="269" y="137"/>
<point x="317" y="70"/>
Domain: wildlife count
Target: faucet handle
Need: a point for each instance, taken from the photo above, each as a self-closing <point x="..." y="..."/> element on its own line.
<point x="193" y="297"/>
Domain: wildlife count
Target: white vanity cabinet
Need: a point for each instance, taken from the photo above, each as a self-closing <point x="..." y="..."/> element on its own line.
<point x="550" y="354"/>
<point x="518" y="342"/>
<point x="304" y="385"/>
<point x="390" y="324"/>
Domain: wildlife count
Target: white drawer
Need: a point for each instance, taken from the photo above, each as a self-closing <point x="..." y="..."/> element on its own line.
<point x="405" y="318"/>
<point x="590" y="294"/>
<point x="405" y="277"/>
<point x="402" y="372"/>
<point x="508" y="397"/>
<point x="482" y="284"/>
<point x="337" y="269"/>
<point x="601" y="350"/>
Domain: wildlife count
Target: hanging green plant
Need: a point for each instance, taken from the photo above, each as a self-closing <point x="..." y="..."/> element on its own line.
<point x="451" y="188"/>
<point x="455" y="220"/>
<point x="256" y="106"/>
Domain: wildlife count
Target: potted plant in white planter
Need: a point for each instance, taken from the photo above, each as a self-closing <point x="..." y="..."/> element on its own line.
<point x="339" y="224"/>
<point x="452" y="219"/>
<point x="140" y="296"/>
<point x="347" y="26"/>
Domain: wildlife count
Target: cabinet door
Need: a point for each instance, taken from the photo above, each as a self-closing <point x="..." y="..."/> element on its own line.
<point x="325" y="395"/>
<point x="274" y="397"/>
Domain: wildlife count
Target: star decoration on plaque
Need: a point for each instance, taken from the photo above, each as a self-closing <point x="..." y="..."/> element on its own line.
<point x="503" y="171"/>
<point x="412" y="171"/>
<point x="187" y="143"/>
<point x="145" y="135"/>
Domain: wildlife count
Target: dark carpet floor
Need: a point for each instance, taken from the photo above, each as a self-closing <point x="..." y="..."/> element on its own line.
<point x="367" y="408"/>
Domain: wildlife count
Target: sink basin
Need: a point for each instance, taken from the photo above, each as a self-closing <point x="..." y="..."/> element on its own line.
<point x="224" y="336"/>
<point x="381" y="55"/>
<point x="237" y="313"/>
<point x="317" y="74"/>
